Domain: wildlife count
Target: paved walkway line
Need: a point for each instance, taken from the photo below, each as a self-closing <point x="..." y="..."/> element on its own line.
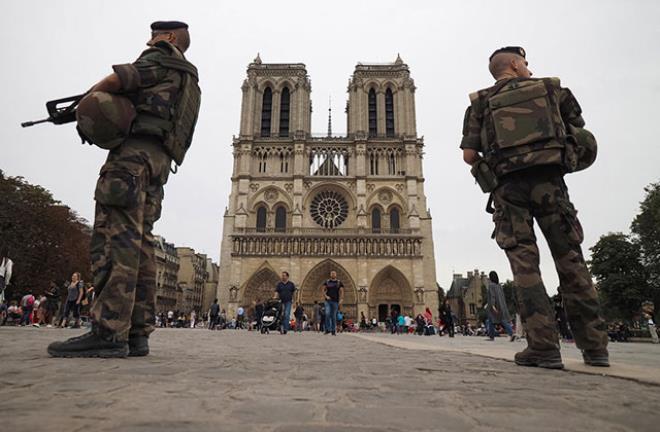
<point x="617" y="369"/>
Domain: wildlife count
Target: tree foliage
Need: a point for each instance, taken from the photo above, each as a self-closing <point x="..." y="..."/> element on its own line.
<point x="646" y="232"/>
<point x="616" y="263"/>
<point x="47" y="241"/>
<point x="510" y="295"/>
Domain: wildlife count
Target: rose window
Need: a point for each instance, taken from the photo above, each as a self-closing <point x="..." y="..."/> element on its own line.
<point x="329" y="209"/>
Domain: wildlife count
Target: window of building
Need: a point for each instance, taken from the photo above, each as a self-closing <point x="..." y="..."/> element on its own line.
<point x="391" y="163"/>
<point x="261" y="219"/>
<point x="373" y="117"/>
<point x="280" y="219"/>
<point x="284" y="162"/>
<point x="284" y="112"/>
<point x="266" y="112"/>
<point x="375" y="220"/>
<point x="373" y="163"/>
<point x="473" y="309"/>
<point x="389" y="113"/>
<point x="263" y="158"/>
<point x="395" y="223"/>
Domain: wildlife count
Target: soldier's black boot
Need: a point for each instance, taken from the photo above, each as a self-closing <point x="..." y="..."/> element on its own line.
<point x="138" y="346"/>
<point x="92" y="344"/>
<point x="598" y="358"/>
<point x="544" y="359"/>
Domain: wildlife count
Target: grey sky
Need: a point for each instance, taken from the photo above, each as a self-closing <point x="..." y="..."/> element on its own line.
<point x="607" y="52"/>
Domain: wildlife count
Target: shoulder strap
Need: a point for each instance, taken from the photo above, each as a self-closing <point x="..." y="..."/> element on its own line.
<point x="181" y="65"/>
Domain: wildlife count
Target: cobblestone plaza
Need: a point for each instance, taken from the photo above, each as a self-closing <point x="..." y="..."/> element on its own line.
<point x="198" y="380"/>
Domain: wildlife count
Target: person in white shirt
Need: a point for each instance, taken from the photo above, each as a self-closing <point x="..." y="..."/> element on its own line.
<point x="170" y="318"/>
<point x="6" y="266"/>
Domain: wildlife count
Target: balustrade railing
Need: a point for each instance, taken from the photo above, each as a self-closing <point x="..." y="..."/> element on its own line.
<point x="322" y="232"/>
<point x="289" y="245"/>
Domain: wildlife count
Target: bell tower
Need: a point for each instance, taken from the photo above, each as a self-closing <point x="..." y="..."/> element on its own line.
<point x="381" y="101"/>
<point x="276" y="101"/>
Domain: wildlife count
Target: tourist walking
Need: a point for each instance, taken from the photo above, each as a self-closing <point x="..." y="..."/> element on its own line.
<point x="333" y="293"/>
<point x="6" y="266"/>
<point x="317" y="314"/>
<point x="193" y="319"/>
<point x="299" y="313"/>
<point x="496" y="308"/>
<point x="240" y="318"/>
<point x="648" y="312"/>
<point x="448" y="319"/>
<point x="75" y="292"/>
<point x="322" y="319"/>
<point x="285" y="290"/>
<point x="561" y="318"/>
<point x="394" y="321"/>
<point x="363" y="321"/>
<point x="213" y="314"/>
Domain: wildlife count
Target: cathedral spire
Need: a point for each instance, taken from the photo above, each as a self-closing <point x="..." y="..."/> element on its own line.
<point x="329" y="116"/>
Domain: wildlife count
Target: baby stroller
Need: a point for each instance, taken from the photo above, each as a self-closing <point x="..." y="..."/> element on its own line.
<point x="272" y="317"/>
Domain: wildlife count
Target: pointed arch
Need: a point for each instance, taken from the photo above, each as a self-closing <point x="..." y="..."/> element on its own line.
<point x="395" y="219"/>
<point x="280" y="218"/>
<point x="389" y="113"/>
<point x="266" y="111"/>
<point x="262" y="217"/>
<point x="285" y="108"/>
<point x="373" y="113"/>
<point x="260" y="285"/>
<point x="390" y="287"/>
<point x="310" y="289"/>
<point x="376" y="218"/>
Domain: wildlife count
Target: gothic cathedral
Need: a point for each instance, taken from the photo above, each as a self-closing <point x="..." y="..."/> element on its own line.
<point x="311" y="204"/>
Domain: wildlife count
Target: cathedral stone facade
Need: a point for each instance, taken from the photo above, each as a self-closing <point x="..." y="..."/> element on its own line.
<point x="309" y="205"/>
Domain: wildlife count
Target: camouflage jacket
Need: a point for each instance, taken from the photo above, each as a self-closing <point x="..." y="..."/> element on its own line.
<point x="152" y="88"/>
<point x="478" y="126"/>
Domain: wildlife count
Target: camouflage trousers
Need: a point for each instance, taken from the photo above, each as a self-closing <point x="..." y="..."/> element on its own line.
<point x="128" y="198"/>
<point x="542" y="196"/>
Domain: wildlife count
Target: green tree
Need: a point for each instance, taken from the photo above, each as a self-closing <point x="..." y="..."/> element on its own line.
<point x="46" y="240"/>
<point x="510" y="295"/>
<point x="646" y="232"/>
<point x="616" y="263"/>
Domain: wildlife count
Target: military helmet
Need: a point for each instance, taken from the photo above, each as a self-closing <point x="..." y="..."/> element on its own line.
<point x="586" y="145"/>
<point x="105" y="119"/>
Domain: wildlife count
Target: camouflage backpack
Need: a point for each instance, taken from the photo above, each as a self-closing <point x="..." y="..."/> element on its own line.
<point x="522" y="125"/>
<point x="186" y="108"/>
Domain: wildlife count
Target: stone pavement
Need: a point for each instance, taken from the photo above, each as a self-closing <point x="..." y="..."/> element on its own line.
<point x="197" y="380"/>
<point x="636" y="361"/>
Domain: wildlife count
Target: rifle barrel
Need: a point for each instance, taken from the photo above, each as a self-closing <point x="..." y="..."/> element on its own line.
<point x="32" y="123"/>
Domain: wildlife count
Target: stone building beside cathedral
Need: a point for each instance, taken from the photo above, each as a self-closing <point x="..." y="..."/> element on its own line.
<point x="310" y="204"/>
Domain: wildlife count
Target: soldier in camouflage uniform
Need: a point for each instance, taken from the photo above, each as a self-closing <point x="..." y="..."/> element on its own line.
<point x="519" y="134"/>
<point x="162" y="87"/>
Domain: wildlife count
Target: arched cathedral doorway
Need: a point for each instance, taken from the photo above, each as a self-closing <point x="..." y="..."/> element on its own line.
<point x="310" y="290"/>
<point x="390" y="290"/>
<point x="261" y="285"/>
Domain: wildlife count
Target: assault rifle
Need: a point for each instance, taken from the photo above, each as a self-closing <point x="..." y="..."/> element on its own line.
<point x="58" y="112"/>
